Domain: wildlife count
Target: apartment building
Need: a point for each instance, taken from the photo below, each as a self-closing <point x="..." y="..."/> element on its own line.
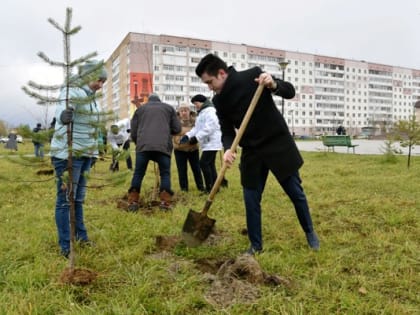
<point x="330" y="91"/>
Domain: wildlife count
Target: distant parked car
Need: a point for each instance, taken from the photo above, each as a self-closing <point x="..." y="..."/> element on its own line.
<point x="19" y="139"/>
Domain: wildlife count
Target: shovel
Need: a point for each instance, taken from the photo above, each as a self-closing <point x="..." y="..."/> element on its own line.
<point x="198" y="226"/>
<point x="155" y="202"/>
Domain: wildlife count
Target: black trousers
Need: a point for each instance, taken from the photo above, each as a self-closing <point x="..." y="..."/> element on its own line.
<point x="208" y="168"/>
<point x="182" y="158"/>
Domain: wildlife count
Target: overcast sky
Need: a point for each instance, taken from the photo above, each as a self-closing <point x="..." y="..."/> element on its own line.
<point x="380" y="31"/>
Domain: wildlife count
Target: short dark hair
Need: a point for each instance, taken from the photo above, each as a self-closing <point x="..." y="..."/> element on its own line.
<point x="198" y="98"/>
<point x="211" y="64"/>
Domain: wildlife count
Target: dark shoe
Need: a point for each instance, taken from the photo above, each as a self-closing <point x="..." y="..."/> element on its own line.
<point x="204" y="192"/>
<point x="65" y="253"/>
<point x="313" y="240"/>
<point x="87" y="243"/>
<point x="252" y="251"/>
<point x="134" y="207"/>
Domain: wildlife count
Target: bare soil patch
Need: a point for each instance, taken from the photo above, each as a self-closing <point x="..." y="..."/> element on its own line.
<point x="230" y="280"/>
<point x="78" y="276"/>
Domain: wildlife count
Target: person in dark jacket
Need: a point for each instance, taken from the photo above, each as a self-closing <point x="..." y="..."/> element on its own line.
<point x="11" y="143"/>
<point x="152" y="128"/>
<point x="267" y="144"/>
<point x="38" y="141"/>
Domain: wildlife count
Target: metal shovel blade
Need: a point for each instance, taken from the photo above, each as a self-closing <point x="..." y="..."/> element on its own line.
<point x="197" y="228"/>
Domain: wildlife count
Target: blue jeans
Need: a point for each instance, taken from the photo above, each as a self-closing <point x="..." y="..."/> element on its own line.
<point x="80" y="166"/>
<point x="182" y="158"/>
<point x="142" y="160"/>
<point x="39" y="150"/>
<point x="252" y="197"/>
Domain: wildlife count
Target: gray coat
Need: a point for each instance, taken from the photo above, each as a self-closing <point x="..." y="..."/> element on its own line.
<point x="153" y="126"/>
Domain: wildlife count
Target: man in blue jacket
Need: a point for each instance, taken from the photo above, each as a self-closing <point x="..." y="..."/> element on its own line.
<point x="83" y="113"/>
<point x="267" y="144"/>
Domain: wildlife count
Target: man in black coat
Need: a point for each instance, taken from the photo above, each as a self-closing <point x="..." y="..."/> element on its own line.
<point x="267" y="144"/>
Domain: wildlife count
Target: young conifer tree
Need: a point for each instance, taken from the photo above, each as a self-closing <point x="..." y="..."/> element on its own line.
<point x="407" y="132"/>
<point x="45" y="96"/>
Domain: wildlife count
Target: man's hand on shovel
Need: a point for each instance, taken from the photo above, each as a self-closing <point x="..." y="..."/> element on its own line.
<point x="229" y="157"/>
<point x="267" y="80"/>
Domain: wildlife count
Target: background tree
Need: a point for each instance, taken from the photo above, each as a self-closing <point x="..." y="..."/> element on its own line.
<point x="407" y="132"/>
<point x="3" y="128"/>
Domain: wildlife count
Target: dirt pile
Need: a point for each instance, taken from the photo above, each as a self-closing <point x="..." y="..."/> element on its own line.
<point x="237" y="280"/>
<point x="78" y="276"/>
<point x="230" y="280"/>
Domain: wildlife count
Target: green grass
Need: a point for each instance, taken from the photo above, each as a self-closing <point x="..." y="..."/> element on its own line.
<point x="365" y="211"/>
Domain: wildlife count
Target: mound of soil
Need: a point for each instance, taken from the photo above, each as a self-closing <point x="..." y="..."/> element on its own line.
<point x="167" y="243"/>
<point x="236" y="280"/>
<point x="231" y="280"/>
<point x="78" y="276"/>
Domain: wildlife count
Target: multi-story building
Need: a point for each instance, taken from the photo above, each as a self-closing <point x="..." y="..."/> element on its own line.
<point x="329" y="91"/>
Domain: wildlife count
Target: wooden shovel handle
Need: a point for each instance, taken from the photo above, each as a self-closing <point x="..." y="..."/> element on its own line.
<point x="233" y="148"/>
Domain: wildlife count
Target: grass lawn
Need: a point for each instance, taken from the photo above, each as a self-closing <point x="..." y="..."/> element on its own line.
<point x="365" y="211"/>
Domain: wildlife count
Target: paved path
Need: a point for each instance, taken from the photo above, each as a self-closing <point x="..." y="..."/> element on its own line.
<point x="364" y="147"/>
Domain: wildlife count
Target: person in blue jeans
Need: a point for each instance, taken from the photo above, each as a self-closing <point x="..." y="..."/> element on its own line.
<point x="38" y="141"/>
<point x="267" y="145"/>
<point x="152" y="128"/>
<point x="85" y="122"/>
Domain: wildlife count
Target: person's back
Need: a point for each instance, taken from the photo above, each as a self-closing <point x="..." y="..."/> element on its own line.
<point x="152" y="128"/>
<point x="153" y="125"/>
<point x="37" y="128"/>
<point x="11" y="142"/>
<point x="37" y="140"/>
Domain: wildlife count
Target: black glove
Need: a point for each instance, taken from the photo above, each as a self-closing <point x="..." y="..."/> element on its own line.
<point x="193" y="140"/>
<point x="66" y="116"/>
<point x="184" y="140"/>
